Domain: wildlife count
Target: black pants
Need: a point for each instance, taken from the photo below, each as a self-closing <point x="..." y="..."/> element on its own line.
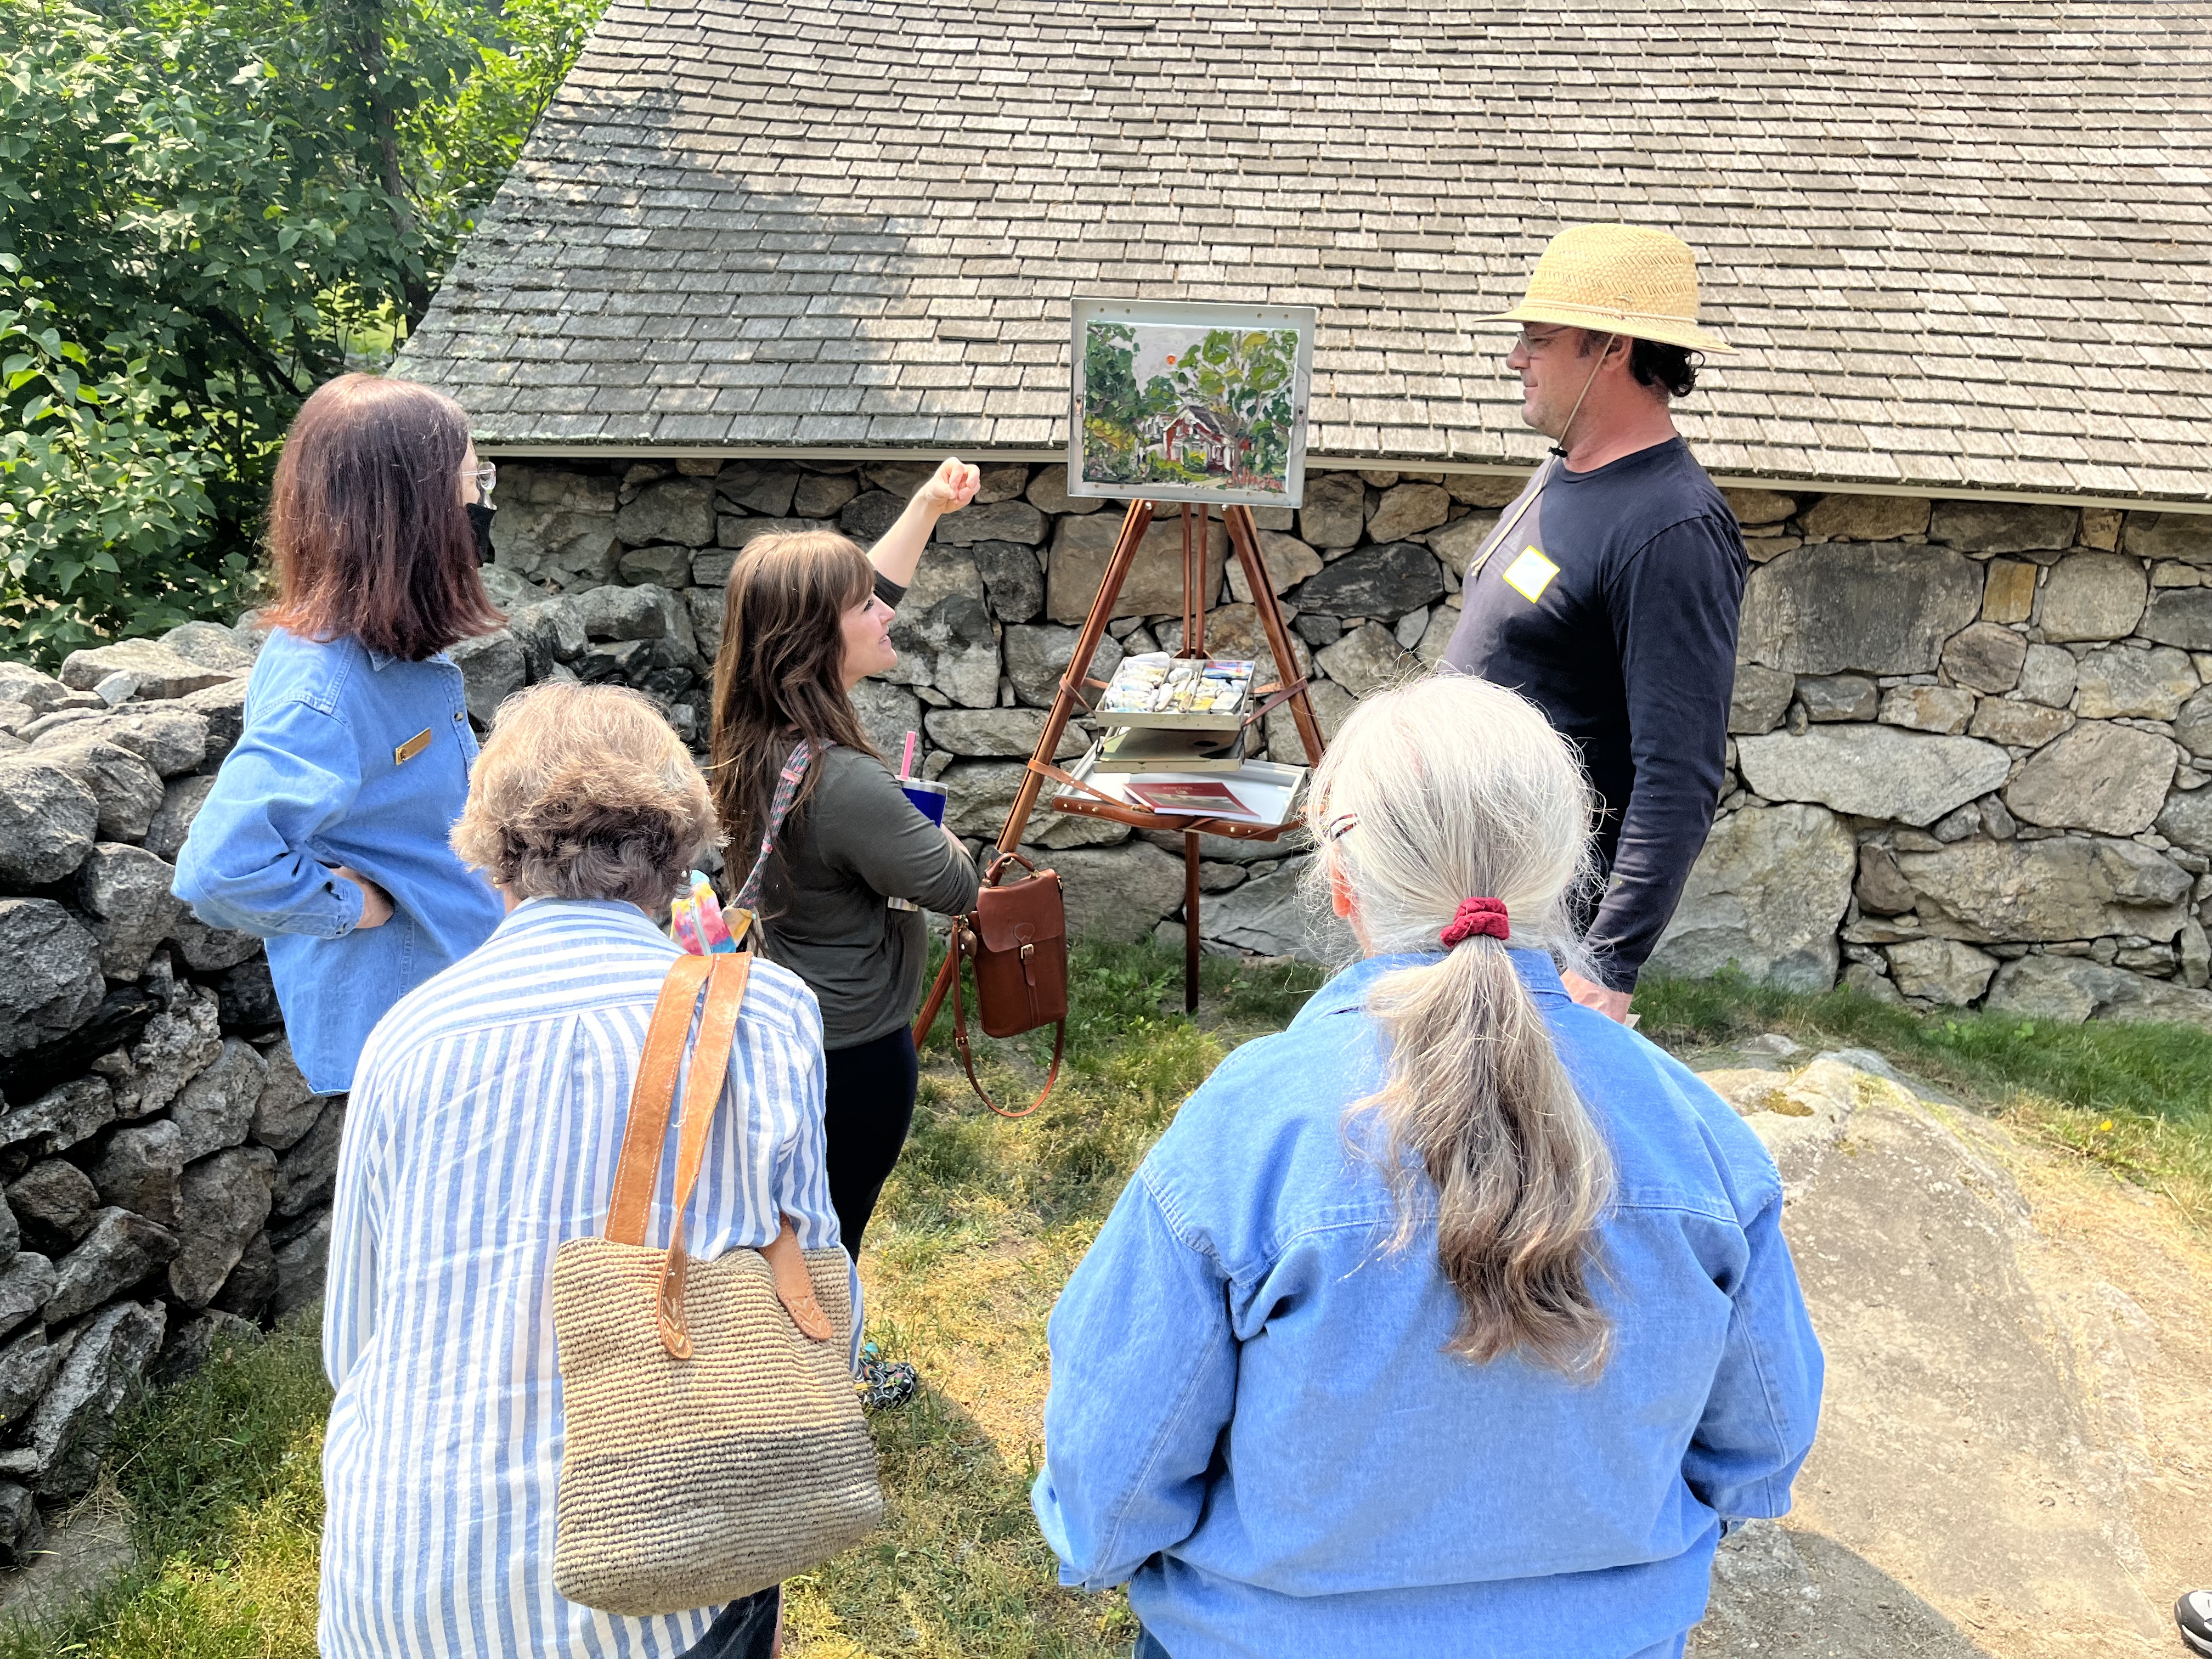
<point x="869" y="1108"/>
<point x="746" y="1629"/>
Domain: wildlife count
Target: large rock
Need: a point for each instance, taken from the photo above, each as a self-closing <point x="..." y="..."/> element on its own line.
<point x="1334" y="510"/>
<point x="1276" y="915"/>
<point x="2067" y="990"/>
<point x="50" y="979"/>
<point x="2181" y="616"/>
<point x="126" y="790"/>
<point x="1942" y="970"/>
<point x="26" y="1285"/>
<point x="2003" y="526"/>
<point x="1876" y="771"/>
<point x="171" y="1049"/>
<point x="1015" y="578"/>
<point x="980" y="793"/>
<point x="120" y="1250"/>
<point x="2092" y="596"/>
<point x="252" y="1283"/>
<point x="225" y="1203"/>
<point x="48" y="821"/>
<point x="1986" y="657"/>
<point x="679" y="510"/>
<point x="1760" y="699"/>
<point x="139" y="1167"/>
<point x="493" y="668"/>
<point x="1082" y="547"/>
<point x="300" y="1264"/>
<point x="125" y="891"/>
<point x="767" y="488"/>
<point x="159" y="672"/>
<point x="1940" y="708"/>
<point x="1882" y="888"/>
<point x="1852" y="518"/>
<point x="665" y="566"/>
<point x="1408" y="509"/>
<point x="56" y="1201"/>
<point x="74" y="1422"/>
<point x="2098" y="776"/>
<point x="54" y="1121"/>
<point x="216" y="1108"/>
<point x="1367" y="659"/>
<point x="2193" y="726"/>
<point x="41" y="693"/>
<point x="210" y="950"/>
<point x="644" y="612"/>
<point x="223" y="707"/>
<point x="1382" y="581"/>
<point x="307" y="1170"/>
<point x="1458" y="542"/>
<point x="2017" y="725"/>
<point x="1883" y="608"/>
<point x="2185" y="536"/>
<point x="2186" y="821"/>
<point x="1764" y="896"/>
<point x="557" y="528"/>
<point x="887" y="713"/>
<point x="997" y="733"/>
<point x="1832" y="697"/>
<point x="953" y="645"/>
<point x="1037" y="656"/>
<point x="27" y="1366"/>
<point x="1286" y="560"/>
<point x="997" y="521"/>
<point x="2064" y="887"/>
<point x="169" y="737"/>
<point x="1048" y="493"/>
<point x="2120" y="680"/>
<point x="287" y="1108"/>
<point x="172" y="820"/>
<point x="2048" y="676"/>
<point x="1118" y="893"/>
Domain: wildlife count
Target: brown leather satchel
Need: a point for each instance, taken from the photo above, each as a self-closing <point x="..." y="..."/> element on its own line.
<point x="1016" y="939"/>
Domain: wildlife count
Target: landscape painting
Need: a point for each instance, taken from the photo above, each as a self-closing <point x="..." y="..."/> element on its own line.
<point x="1190" y="402"/>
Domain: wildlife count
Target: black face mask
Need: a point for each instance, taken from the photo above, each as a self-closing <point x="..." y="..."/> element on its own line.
<point x="480" y="520"/>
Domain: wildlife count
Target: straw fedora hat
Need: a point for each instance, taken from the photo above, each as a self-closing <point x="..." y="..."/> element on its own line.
<point x="1619" y="279"/>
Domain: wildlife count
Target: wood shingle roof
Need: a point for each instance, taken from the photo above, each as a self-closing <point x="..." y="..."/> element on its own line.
<point x="1965" y="245"/>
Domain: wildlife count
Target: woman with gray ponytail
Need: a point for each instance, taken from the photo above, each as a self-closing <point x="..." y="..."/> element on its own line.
<point x="1457" y="1317"/>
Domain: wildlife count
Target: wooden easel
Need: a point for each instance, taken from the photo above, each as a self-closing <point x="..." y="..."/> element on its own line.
<point x="1077" y="680"/>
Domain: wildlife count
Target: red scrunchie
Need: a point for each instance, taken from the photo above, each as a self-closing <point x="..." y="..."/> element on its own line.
<point x="1477" y="917"/>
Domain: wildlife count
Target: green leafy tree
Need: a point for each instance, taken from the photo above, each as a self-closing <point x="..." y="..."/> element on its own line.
<point x="220" y="203"/>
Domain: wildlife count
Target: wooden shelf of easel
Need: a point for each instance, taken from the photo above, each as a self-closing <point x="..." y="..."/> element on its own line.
<point x="1244" y="544"/>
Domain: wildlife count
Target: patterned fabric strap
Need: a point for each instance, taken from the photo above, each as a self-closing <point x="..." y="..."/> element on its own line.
<point x="787" y="791"/>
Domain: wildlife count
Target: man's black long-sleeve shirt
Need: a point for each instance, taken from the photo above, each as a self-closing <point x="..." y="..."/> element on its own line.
<point x="1612" y="604"/>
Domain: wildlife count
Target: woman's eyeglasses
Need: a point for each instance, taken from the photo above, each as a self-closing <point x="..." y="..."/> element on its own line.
<point x="1335" y="829"/>
<point x="487" y="477"/>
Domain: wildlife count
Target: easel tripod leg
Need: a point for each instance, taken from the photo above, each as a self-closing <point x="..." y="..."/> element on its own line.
<point x="1189" y="922"/>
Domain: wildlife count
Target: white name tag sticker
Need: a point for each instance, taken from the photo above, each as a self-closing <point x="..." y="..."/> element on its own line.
<point x="1530" y="574"/>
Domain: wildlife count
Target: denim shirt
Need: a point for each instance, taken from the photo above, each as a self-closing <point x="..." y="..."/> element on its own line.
<point x="1252" y="1421"/>
<point x="349" y="756"/>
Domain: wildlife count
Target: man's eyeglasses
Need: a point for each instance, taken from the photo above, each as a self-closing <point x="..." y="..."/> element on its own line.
<point x="1532" y="343"/>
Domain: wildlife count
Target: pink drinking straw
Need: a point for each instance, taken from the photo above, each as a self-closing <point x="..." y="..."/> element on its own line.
<point x="906" y="763"/>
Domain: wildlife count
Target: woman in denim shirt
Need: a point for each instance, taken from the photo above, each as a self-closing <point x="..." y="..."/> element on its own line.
<point x="325" y="830"/>
<point x="1455" y="1318"/>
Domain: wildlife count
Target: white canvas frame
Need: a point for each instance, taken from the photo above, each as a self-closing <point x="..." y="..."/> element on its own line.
<point x="1196" y="315"/>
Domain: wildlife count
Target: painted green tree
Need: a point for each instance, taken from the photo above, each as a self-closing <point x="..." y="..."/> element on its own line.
<point x="1243" y="380"/>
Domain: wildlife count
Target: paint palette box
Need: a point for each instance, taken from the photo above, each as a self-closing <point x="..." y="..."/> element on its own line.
<point x="1182" y="694"/>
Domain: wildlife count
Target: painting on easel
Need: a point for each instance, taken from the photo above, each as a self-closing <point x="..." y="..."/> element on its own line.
<point x="1189" y="402"/>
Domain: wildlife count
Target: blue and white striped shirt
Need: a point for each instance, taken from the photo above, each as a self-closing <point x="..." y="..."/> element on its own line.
<point x="486" y="1122"/>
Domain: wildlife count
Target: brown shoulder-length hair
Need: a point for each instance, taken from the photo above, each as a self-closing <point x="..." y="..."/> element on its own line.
<point x="779" y="675"/>
<point x="367" y="525"/>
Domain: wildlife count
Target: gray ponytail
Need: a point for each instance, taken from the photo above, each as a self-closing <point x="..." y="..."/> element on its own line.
<point x="1445" y="789"/>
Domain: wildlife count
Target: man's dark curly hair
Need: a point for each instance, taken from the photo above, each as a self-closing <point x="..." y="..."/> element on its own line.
<point x="1672" y="369"/>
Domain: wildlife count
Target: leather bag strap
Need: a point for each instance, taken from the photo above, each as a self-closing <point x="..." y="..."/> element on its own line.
<point x="960" y="934"/>
<point x="638" y="1172"/>
<point x="702" y="1089"/>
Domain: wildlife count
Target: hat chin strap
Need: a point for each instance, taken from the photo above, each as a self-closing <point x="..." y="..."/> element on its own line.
<point x="1559" y="448"/>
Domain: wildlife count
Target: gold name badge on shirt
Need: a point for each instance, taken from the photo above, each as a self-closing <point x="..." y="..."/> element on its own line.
<point x="1530" y="574"/>
<point x="414" y="746"/>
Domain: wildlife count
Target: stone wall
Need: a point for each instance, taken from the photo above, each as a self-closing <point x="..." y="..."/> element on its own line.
<point x="164" y="1169"/>
<point x="1966" y="739"/>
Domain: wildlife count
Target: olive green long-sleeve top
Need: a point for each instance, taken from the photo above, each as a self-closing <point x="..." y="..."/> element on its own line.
<point x="858" y="841"/>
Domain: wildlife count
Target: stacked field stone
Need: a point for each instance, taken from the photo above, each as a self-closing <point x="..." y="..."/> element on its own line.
<point x="1967" y="734"/>
<point x="164" y="1170"/>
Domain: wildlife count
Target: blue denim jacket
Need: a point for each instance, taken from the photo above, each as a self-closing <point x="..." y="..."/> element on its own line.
<point x="349" y="756"/>
<point x="1252" y="1419"/>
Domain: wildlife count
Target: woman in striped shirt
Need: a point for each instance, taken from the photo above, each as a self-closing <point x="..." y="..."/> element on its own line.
<point x="486" y="1122"/>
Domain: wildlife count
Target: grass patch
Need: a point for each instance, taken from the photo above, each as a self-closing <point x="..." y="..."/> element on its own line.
<point x="2136" y="1099"/>
<point x="980" y="1226"/>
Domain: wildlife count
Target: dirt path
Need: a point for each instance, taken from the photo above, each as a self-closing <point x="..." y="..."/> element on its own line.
<point x="2012" y="1455"/>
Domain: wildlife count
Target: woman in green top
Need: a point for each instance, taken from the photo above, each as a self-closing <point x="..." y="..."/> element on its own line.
<point x="808" y="619"/>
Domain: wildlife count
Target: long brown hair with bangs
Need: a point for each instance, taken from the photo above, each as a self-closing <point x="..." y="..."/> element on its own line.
<point x="779" y="675"/>
<point x="367" y="525"/>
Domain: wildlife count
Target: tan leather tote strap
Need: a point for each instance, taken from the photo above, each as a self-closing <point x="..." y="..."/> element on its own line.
<point x="650" y="1097"/>
<point x="710" y="1066"/>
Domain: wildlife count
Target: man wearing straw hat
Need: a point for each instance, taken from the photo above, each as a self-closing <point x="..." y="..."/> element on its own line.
<point x="1609" y="592"/>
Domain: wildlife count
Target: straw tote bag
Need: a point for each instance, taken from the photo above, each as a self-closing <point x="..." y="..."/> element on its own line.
<point x="714" y="1445"/>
